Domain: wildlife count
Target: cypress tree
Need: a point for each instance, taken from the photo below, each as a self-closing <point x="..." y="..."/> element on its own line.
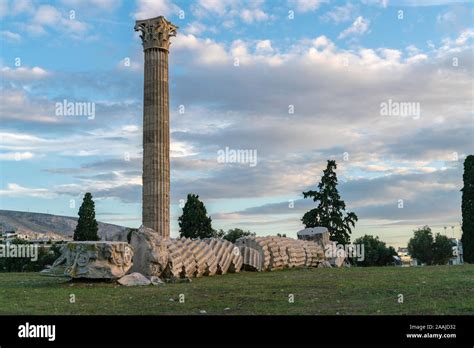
<point x="467" y="208"/>
<point x="194" y="223"/>
<point x="87" y="228"/>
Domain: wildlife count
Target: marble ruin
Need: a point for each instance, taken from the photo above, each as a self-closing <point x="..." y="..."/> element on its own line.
<point x="182" y="257"/>
<point x="188" y="258"/>
<point x="93" y="260"/>
<point x="273" y="253"/>
<point x="156" y="257"/>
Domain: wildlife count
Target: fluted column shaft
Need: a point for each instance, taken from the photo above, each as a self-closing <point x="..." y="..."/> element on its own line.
<point x="156" y="142"/>
<point x="155" y="34"/>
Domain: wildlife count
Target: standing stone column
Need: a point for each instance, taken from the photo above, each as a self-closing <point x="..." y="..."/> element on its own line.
<point x="155" y="35"/>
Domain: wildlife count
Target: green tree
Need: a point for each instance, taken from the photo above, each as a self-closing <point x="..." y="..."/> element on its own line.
<point x="194" y="223"/>
<point x="429" y="250"/>
<point x="46" y="256"/>
<point x="219" y="234"/>
<point x="235" y="233"/>
<point x="467" y="208"/>
<point x="331" y="208"/>
<point x="87" y="228"/>
<point x="442" y="250"/>
<point x="376" y="252"/>
<point x="420" y="245"/>
<point x="14" y="264"/>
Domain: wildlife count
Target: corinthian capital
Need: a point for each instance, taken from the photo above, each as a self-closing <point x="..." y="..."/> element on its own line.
<point x="156" y="32"/>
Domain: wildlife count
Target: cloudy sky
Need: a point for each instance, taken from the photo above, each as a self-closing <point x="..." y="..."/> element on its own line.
<point x="299" y="82"/>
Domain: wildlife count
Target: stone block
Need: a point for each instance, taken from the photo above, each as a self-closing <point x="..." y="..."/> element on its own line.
<point x="134" y="279"/>
<point x="94" y="260"/>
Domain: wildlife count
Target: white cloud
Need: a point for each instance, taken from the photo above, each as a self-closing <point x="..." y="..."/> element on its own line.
<point x="359" y="27"/>
<point x="17" y="105"/>
<point x="464" y="37"/>
<point x="130" y="128"/>
<point x="153" y="8"/>
<point x="381" y="3"/>
<point x="341" y="14"/>
<point x="309" y="77"/>
<point x="10" y="36"/>
<point x="15" y="156"/>
<point x="323" y="42"/>
<point x="456" y="45"/>
<point x="15" y="190"/>
<point x="205" y="51"/>
<point x="303" y="6"/>
<point x="19" y="142"/>
<point x="35" y="29"/>
<point x="22" y="6"/>
<point x="47" y="16"/>
<point x="24" y="73"/>
<point x="412" y="50"/>
<point x="253" y="15"/>
<point x="194" y="28"/>
<point x="115" y="144"/>
<point x="220" y="7"/>
<point x="417" y="58"/>
<point x="229" y="10"/>
<point x="18" y="139"/>
<point x="107" y="5"/>
<point x="376" y="168"/>
<point x="264" y="46"/>
<point x="391" y="54"/>
<point x="421" y="3"/>
<point x="446" y="17"/>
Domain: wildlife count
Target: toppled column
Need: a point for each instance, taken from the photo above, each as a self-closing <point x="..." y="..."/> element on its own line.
<point x="182" y="257"/>
<point x="228" y="257"/>
<point x="276" y="253"/>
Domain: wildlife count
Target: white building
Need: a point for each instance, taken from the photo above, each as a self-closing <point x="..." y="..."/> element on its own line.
<point x="404" y="256"/>
<point x="457" y="258"/>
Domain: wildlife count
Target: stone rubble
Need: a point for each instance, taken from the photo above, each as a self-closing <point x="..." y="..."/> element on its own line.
<point x="156" y="281"/>
<point x="134" y="279"/>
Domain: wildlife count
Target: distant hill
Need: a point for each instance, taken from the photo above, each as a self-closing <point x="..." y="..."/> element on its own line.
<point x="48" y="224"/>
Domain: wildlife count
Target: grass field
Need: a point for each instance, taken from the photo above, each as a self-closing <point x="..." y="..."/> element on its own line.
<point x="374" y="291"/>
